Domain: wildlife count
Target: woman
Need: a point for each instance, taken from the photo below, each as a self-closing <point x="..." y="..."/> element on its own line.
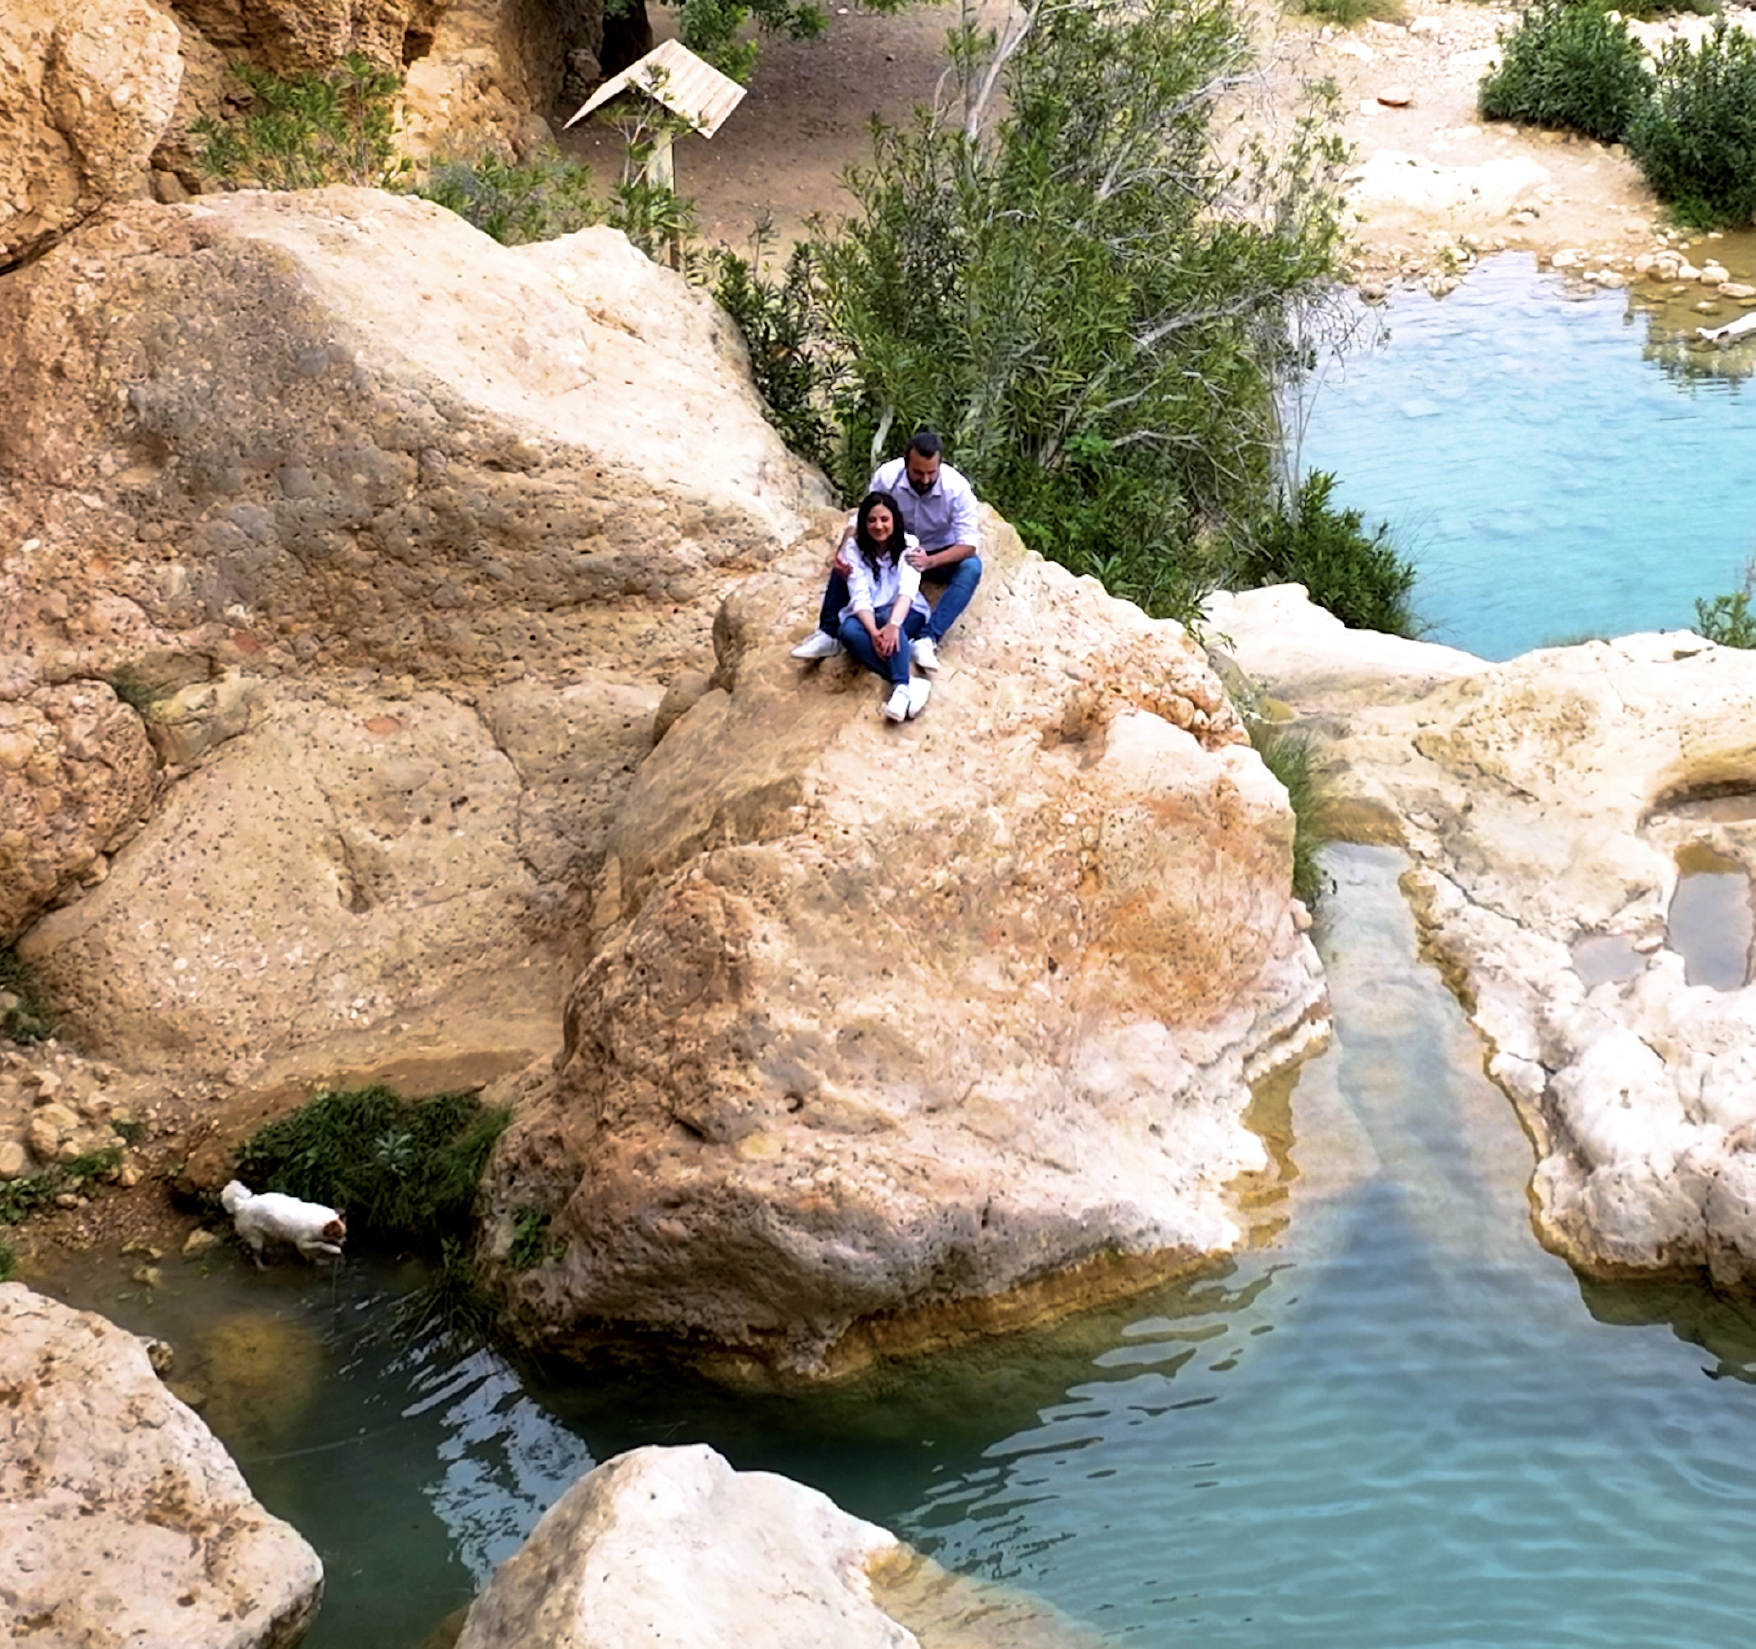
<point x="885" y="609"/>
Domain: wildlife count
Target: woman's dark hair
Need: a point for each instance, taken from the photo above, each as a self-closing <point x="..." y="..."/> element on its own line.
<point x="871" y="551"/>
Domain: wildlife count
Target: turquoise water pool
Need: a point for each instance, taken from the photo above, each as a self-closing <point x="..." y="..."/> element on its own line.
<point x="1551" y="473"/>
<point x="1396" y="1423"/>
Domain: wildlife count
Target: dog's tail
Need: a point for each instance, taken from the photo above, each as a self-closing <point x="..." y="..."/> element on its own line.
<point x="235" y="1196"/>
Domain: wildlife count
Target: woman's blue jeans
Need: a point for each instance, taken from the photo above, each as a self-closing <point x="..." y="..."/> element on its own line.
<point x="957" y="583"/>
<point x="894" y="669"/>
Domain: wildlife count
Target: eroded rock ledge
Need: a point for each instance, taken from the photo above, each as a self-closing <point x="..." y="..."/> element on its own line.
<point x="1546" y="802"/>
<point x="896" y="1033"/>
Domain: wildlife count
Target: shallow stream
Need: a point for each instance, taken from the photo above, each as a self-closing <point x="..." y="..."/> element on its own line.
<point x="1556" y="460"/>
<point x="1396" y="1422"/>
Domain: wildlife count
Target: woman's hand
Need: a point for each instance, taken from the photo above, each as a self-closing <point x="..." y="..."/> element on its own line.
<point x="888" y="639"/>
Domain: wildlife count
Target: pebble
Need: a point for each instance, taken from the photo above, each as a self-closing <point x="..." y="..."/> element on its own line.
<point x="1396" y="97"/>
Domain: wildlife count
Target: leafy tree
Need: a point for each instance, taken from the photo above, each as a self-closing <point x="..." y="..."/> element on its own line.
<point x="1065" y="272"/>
<point x="712" y="28"/>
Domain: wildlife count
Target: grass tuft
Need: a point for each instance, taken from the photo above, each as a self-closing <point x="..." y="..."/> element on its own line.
<point x="8" y="1262"/>
<point x="29" y="1192"/>
<point x="1290" y="758"/>
<point x="404" y="1171"/>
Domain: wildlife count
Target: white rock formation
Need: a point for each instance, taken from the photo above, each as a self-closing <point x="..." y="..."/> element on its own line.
<point x="122" y="1520"/>
<point x="1546" y="802"/>
<point x="1461" y="197"/>
<point x="671" y="1546"/>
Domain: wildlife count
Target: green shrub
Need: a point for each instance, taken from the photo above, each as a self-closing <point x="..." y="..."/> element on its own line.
<point x="782" y="329"/>
<point x="1727" y="619"/>
<point x="404" y="1171"/>
<point x="545" y="197"/>
<point x="1695" y="141"/>
<point x="1289" y="757"/>
<point x="1357" y="575"/>
<point x="8" y="1262"/>
<point x="25" y="1017"/>
<point x="1346" y="13"/>
<point x="1569" y="64"/>
<point x="306" y="131"/>
<point x="530" y="1238"/>
<point x="29" y="1192"/>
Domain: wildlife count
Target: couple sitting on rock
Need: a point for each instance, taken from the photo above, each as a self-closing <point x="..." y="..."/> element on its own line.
<point x="917" y="524"/>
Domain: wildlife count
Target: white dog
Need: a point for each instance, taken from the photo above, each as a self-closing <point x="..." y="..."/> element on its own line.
<point x="275" y="1217"/>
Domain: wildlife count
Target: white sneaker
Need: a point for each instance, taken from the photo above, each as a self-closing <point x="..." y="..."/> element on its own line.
<point x="924" y="653"/>
<point x="896" y="707"/>
<point x="819" y="644"/>
<point x="919" y="690"/>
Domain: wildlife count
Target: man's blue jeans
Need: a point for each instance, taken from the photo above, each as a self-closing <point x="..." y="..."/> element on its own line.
<point x="894" y="669"/>
<point x="958" y="583"/>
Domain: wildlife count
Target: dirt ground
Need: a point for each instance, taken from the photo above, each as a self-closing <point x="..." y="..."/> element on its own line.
<point x="807" y="116"/>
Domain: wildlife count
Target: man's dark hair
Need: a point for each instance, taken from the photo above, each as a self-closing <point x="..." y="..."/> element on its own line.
<point x="925" y="442"/>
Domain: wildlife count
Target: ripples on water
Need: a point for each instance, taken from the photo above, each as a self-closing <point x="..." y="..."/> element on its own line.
<point x="1397" y="1424"/>
<point x="1548" y="478"/>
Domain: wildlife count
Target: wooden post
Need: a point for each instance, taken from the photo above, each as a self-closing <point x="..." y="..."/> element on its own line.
<point x="661" y="173"/>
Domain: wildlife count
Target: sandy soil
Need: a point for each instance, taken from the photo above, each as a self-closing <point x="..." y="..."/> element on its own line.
<point x="808" y="113"/>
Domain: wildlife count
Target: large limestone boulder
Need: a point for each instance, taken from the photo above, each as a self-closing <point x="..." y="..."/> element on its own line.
<point x="407" y="534"/>
<point x="1552" y="806"/>
<point x="357" y="430"/>
<point x="896" y="1033"/>
<point x="122" y="1520"/>
<point x="671" y="1545"/>
<point x="87" y="87"/>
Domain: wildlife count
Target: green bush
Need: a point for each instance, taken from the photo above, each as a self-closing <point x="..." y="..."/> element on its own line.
<point x="306" y="131"/>
<point x="27" y="1017"/>
<point x="1346" y="13"/>
<point x="1290" y="758"/>
<point x="29" y="1192"/>
<point x="1727" y="619"/>
<point x="782" y="330"/>
<point x="545" y="197"/>
<point x="1695" y="141"/>
<point x="1572" y="65"/>
<point x="1357" y="575"/>
<point x="403" y="1171"/>
<point x="8" y="1262"/>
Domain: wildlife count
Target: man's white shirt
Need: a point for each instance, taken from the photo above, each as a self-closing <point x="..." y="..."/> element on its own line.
<point x="943" y="515"/>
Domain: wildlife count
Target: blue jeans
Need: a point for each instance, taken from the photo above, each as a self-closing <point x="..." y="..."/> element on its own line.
<point x="957" y="582"/>
<point x="894" y="669"/>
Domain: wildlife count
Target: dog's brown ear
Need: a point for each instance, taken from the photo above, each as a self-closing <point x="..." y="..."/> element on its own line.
<point x="337" y="1227"/>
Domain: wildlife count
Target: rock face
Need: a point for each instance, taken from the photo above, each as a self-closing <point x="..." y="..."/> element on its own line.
<point x="87" y="87"/>
<point x="1553" y="806"/>
<point x="76" y="778"/>
<point x="405" y="535"/>
<point x="672" y="1545"/>
<point x="122" y="1520"/>
<point x="894" y="1033"/>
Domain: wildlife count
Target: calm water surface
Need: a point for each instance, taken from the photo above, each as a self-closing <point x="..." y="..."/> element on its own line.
<point x="1550" y="474"/>
<point x="1397" y="1424"/>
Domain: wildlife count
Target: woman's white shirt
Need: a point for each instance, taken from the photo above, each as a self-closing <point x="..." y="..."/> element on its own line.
<point x="876" y="594"/>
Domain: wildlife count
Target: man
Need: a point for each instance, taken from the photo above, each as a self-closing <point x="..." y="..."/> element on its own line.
<point x="939" y="508"/>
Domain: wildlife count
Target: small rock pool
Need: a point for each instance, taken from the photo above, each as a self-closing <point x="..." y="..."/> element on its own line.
<point x="1394" y="1422"/>
<point x="1557" y="460"/>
